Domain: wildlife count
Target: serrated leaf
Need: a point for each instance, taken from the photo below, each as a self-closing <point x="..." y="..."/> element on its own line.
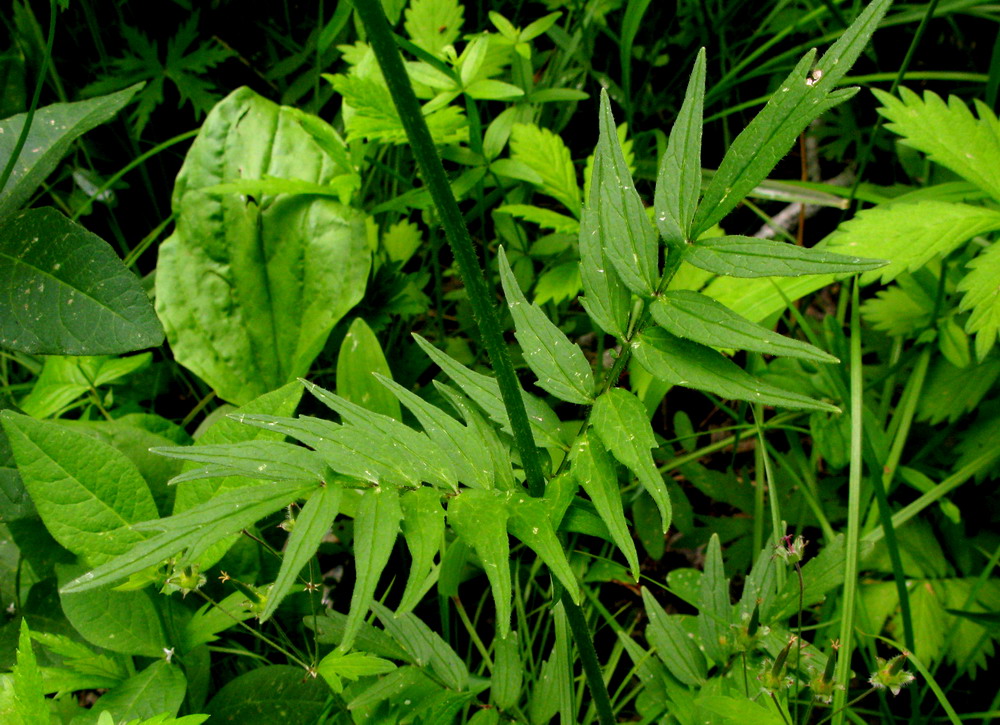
<point x="682" y="362"/>
<point x="212" y="618"/>
<point x="29" y="704"/>
<point x="376" y="525"/>
<point x="620" y="419"/>
<point x="558" y="284"/>
<point x="351" y="666"/>
<point x="701" y="319"/>
<point x="544" y="218"/>
<point x="803" y="96"/>
<point x="87" y="493"/>
<point x="981" y="286"/>
<point x="433" y="24"/>
<point x="202" y="525"/>
<point x="606" y="299"/>
<point x="949" y="134"/>
<point x="423" y="530"/>
<point x="545" y="153"/>
<point x="902" y="309"/>
<point x="311" y="526"/>
<point x="736" y="256"/>
<point x="485" y="392"/>
<point x="678" y="182"/>
<point x="560" y="366"/>
<point x="53" y="129"/>
<point x="595" y="471"/>
<point x="480" y="519"/>
<point x="627" y="236"/>
<point x="950" y="392"/>
<point x="63" y="290"/>
<point x="910" y="235"/>
<point x="359" y="359"/>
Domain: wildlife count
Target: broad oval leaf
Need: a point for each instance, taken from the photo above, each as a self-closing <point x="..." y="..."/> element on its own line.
<point x="621" y="422"/>
<point x="158" y="689"/>
<point x="682" y="362"/>
<point x="736" y="256"/>
<point x="561" y="367"/>
<point x="65" y="292"/>
<point x="250" y="288"/>
<point x="270" y="694"/>
<point x="696" y="317"/>
<point x="53" y="130"/>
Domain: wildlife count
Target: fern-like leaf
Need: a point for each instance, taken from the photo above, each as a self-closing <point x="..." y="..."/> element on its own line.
<point x="981" y="287"/>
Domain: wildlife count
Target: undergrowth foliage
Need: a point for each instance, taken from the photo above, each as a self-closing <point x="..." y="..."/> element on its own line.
<point x="418" y="492"/>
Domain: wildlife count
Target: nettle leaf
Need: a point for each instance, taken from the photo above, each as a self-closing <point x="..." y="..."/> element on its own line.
<point x="737" y="256"/>
<point x="560" y="366"/>
<point x="424" y="459"/>
<point x="485" y="392"/>
<point x="678" y="182"/>
<point x="950" y="392"/>
<point x="594" y="469"/>
<point x="606" y="299"/>
<point x="544" y="218"/>
<point x="359" y="359"/>
<point x="480" y="520"/>
<point x="911" y="235"/>
<point x="545" y="153"/>
<point x="249" y="289"/>
<point x="697" y="317"/>
<point x="948" y="133"/>
<point x="423" y="530"/>
<point x="29" y="704"/>
<point x="311" y="526"/>
<point x="628" y="237"/>
<point x="86" y="492"/>
<point x="468" y="453"/>
<point x="620" y="419"/>
<point x="682" y="362"/>
<point x="433" y="24"/>
<point x="53" y="130"/>
<point x="901" y="309"/>
<point x="981" y="287"/>
<point x="195" y="529"/>
<point x="376" y="525"/>
<point x="64" y="291"/>
<point x="351" y="666"/>
<point x="804" y="95"/>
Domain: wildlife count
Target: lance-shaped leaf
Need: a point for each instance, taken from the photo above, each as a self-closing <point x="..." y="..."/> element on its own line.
<point x="696" y="317"/>
<point x="531" y="523"/>
<point x="682" y="362"/>
<point x="804" y="95"/>
<point x="53" y="130"/>
<point x="606" y="299"/>
<point x="735" y="256"/>
<point x="678" y="183"/>
<point x="426" y="645"/>
<point x="376" y="525"/>
<point x="411" y="448"/>
<point x="508" y="672"/>
<point x="493" y="447"/>
<point x="63" y="291"/>
<point x="561" y="367"/>
<point x="225" y="514"/>
<point x="673" y="646"/>
<point x="714" y="605"/>
<point x="468" y="453"/>
<point x="621" y="422"/>
<point x="267" y="460"/>
<point x="28" y="705"/>
<point x="480" y="519"/>
<point x="485" y="392"/>
<point x="311" y="526"/>
<point x="594" y="469"/>
<point x="423" y="530"/>
<point x="359" y="359"/>
<point x="627" y="236"/>
<point x="86" y="492"/>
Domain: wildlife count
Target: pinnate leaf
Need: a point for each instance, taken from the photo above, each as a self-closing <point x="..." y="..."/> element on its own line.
<point x="359" y="359"/>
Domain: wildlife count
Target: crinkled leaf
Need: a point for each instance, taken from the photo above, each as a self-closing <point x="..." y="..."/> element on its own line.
<point x="64" y="291"/>
<point x="623" y="426"/>
<point x="53" y="129"/>
<point x="311" y="526"/>
<point x="560" y="366"/>
<point x="480" y="519"/>
<point x="804" y="95"/>
<point x="606" y="299"/>
<point x="87" y="493"/>
<point x="376" y="525"/>
<point x="249" y="289"/>
<point x="701" y="319"/>
<point x="678" y="182"/>
<point x="595" y="471"/>
<point x="423" y="530"/>
<point x="627" y="236"/>
<point x="682" y="362"/>
<point x="359" y="359"/>
<point x="750" y="257"/>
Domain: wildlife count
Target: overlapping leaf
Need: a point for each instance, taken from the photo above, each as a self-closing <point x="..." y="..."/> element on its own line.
<point x="736" y="256"/>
